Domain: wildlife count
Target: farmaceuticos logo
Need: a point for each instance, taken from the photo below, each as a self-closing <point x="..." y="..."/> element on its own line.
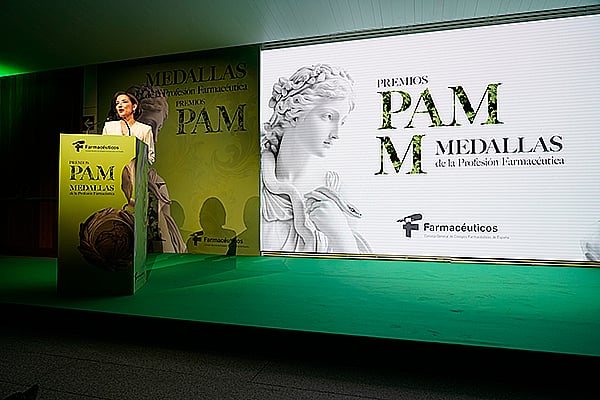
<point x="409" y="225"/>
<point x="80" y="145"/>
<point x="461" y="228"/>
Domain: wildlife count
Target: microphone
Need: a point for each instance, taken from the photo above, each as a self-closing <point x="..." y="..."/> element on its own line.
<point x="89" y="125"/>
<point x="128" y="127"/>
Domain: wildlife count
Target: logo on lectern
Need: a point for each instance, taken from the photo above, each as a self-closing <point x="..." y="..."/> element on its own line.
<point x="78" y="145"/>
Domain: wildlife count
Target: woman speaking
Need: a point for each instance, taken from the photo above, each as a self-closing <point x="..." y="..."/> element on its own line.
<point x="124" y="111"/>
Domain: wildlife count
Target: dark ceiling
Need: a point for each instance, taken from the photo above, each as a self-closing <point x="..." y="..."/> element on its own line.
<point x="39" y="35"/>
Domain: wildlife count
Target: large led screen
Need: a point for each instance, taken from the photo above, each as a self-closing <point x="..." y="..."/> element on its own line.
<point x="471" y="143"/>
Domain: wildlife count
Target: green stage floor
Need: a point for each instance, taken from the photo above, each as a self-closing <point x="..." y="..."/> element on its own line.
<point x="537" y="308"/>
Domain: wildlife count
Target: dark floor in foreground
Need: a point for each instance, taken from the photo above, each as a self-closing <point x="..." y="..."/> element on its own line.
<point x="75" y="355"/>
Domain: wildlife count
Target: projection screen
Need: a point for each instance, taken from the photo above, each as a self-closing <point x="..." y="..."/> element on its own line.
<point x="476" y="143"/>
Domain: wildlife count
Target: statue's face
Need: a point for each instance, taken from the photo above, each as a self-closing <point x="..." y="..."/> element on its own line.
<point x="319" y="128"/>
<point x="155" y="119"/>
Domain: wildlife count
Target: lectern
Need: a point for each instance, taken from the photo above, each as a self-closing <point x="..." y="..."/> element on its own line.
<point x="102" y="215"/>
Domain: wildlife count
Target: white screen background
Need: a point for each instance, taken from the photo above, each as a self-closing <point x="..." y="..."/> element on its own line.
<point x="549" y="78"/>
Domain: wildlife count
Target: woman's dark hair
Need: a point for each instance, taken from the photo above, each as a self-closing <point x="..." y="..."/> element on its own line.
<point x="112" y="113"/>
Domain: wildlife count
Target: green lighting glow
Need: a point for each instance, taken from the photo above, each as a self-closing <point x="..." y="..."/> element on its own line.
<point x="7" y="70"/>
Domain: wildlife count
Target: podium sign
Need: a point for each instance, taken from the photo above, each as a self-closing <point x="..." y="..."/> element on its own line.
<point x="102" y="215"/>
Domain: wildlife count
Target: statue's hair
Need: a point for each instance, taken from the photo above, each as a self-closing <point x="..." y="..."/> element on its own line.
<point x="151" y="98"/>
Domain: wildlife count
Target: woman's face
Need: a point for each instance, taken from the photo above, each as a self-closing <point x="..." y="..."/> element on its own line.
<point x="124" y="106"/>
<point x="319" y="129"/>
